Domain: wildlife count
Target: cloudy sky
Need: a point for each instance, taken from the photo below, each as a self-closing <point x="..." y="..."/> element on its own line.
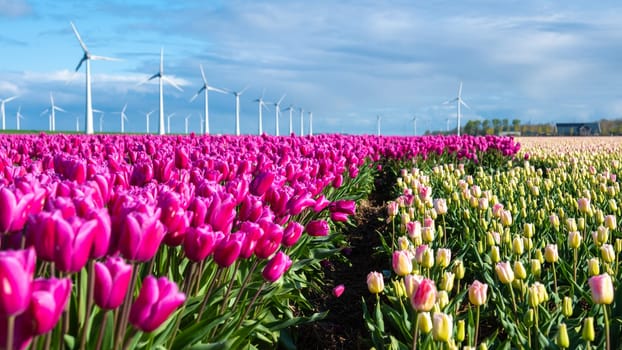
<point x="346" y="61"/>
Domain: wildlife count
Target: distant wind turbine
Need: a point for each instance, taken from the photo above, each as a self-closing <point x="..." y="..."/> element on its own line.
<point x="291" y="122"/>
<point x="378" y="120"/>
<point x="161" y="78"/>
<point x="147" y="116"/>
<point x="101" y="119"/>
<point x="2" y="103"/>
<point x="52" y="116"/>
<point x="186" y="121"/>
<point x="459" y="101"/>
<point x="77" y="123"/>
<point x="168" y="119"/>
<point x="237" y="95"/>
<point x="88" y="57"/>
<point x="415" y="124"/>
<point x="310" y="123"/>
<point x="262" y="105"/>
<point x="123" y="118"/>
<point x="302" y="124"/>
<point x="18" y="116"/>
<point x="277" y="112"/>
<point x="206" y="88"/>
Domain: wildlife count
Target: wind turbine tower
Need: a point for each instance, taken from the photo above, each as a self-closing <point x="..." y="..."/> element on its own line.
<point x="123" y="118"/>
<point x="291" y="120"/>
<point x="168" y="119"/>
<point x="262" y="105"/>
<point x="237" y="95"/>
<point x="147" y="116"/>
<point x="186" y="122"/>
<point x="18" y="116"/>
<point x="161" y="78"/>
<point x="310" y="123"/>
<point x="459" y="101"/>
<point x="302" y="122"/>
<point x="52" y="116"/>
<point x="2" y="103"/>
<point x="277" y="112"/>
<point x="378" y="119"/>
<point x="206" y="88"/>
<point x="87" y="58"/>
<point x="415" y="125"/>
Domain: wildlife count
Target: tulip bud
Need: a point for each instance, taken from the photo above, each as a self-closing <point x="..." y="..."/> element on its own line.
<point x="519" y="270"/>
<point x="529" y="317"/>
<point x="506" y="218"/>
<point x="540" y="256"/>
<point x="276" y="267"/>
<point x="112" y="279"/>
<point x="428" y="258"/>
<point x="156" y="301"/>
<point x="610" y="222"/>
<point x="584" y="205"/>
<point x="571" y="224"/>
<point x="536" y="268"/>
<point x="587" y="331"/>
<point x="554" y="219"/>
<point x="425" y="296"/>
<point x="375" y="282"/>
<point x="593" y="267"/>
<point x="460" y="331"/>
<point x="613" y="206"/>
<point x="602" y="235"/>
<point x="533" y="296"/>
<point x="402" y="262"/>
<point x="425" y="322"/>
<point x="442" y="329"/>
<point x="527" y="243"/>
<point x="495" y="256"/>
<point x="517" y="245"/>
<point x="528" y="230"/>
<point x="601" y="287"/>
<point x="567" y="306"/>
<point x="443" y="299"/>
<point x="403" y="243"/>
<point x="599" y="216"/>
<point x="580" y="224"/>
<point x="504" y="272"/>
<point x="607" y="253"/>
<point x="550" y="253"/>
<point x="17" y="268"/>
<point x="477" y="293"/>
<point x="482" y="346"/>
<point x="459" y="269"/>
<point x="574" y="239"/>
<point x="427" y="234"/>
<point x="411" y="283"/>
<point x="447" y="281"/>
<point x="443" y="257"/>
<point x="562" y="336"/>
<point x="618" y="245"/>
<point x="482" y="204"/>
<point x="440" y="206"/>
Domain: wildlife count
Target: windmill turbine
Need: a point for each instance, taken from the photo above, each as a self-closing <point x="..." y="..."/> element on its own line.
<point x="459" y="101"/>
<point x="2" y="103"/>
<point x="262" y="105"/>
<point x="378" y="120"/>
<point x="101" y="119"/>
<point x="88" y="57"/>
<point x="206" y="88"/>
<point x="52" y="116"/>
<point x="291" y="122"/>
<point x="415" y="125"/>
<point x="302" y="124"/>
<point x="147" y="119"/>
<point x="77" y="123"/>
<point x="186" y="121"/>
<point x="310" y="123"/>
<point x="18" y="116"/>
<point x="237" y="95"/>
<point x="161" y="78"/>
<point x="277" y="112"/>
<point x="168" y="118"/>
<point x="123" y="118"/>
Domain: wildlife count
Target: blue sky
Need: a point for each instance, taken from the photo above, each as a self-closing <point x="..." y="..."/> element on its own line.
<point x="346" y="61"/>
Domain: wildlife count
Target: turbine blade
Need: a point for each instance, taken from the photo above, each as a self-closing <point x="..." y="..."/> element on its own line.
<point x="245" y="88"/>
<point x="80" y="63"/>
<point x="281" y="99"/>
<point x="157" y="75"/>
<point x="166" y="79"/>
<point x="75" y="31"/>
<point x="124" y="108"/>
<point x="464" y="104"/>
<point x="59" y="109"/>
<point x="460" y="90"/>
<point x="161" y="60"/>
<point x="203" y="74"/>
<point x="10" y="99"/>
<point x="211" y="88"/>
<point x="197" y="94"/>
<point x="450" y="101"/>
<point x="44" y="111"/>
<point x="104" y="58"/>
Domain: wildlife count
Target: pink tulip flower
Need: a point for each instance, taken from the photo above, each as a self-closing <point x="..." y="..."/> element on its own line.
<point x="156" y="301"/>
<point x="49" y="298"/>
<point x="17" y="268"/>
<point x="112" y="278"/>
<point x="276" y="267"/>
<point x="318" y="228"/>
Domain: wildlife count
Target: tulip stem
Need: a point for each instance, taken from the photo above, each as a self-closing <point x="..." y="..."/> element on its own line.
<point x="225" y="299"/>
<point x="102" y="328"/>
<point x="554" y="277"/>
<point x="476" y="326"/>
<point x="576" y="257"/>
<point x="248" y="308"/>
<point x="416" y="331"/>
<point x="122" y="325"/>
<point x="607" y="331"/>
<point x="513" y="301"/>
<point x="248" y="277"/>
<point x="89" y="303"/>
<point x="209" y="292"/>
<point x="444" y="231"/>
<point x="10" y="329"/>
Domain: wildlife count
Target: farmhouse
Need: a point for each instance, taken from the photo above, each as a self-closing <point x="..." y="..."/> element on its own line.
<point x="578" y="129"/>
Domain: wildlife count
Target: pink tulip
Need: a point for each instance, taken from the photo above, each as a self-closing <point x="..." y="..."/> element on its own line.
<point x="269" y="241"/>
<point x="74" y="242"/>
<point x="261" y="183"/>
<point x="318" y="228"/>
<point x="112" y="279"/>
<point x="227" y="250"/>
<point x="49" y="298"/>
<point x="156" y="301"/>
<point x="338" y="290"/>
<point x="292" y="233"/>
<point x="140" y="236"/>
<point x="276" y="267"/>
<point x="601" y="288"/>
<point x="425" y="296"/>
<point x="17" y="268"/>
<point x="8" y="209"/>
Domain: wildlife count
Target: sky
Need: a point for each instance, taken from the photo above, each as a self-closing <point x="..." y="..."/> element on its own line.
<point x="346" y="61"/>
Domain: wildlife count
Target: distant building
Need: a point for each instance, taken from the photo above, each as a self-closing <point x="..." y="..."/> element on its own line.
<point x="578" y="129"/>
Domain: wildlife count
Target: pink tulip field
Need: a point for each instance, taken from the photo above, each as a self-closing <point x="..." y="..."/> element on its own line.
<point x="524" y="254"/>
<point x="215" y="242"/>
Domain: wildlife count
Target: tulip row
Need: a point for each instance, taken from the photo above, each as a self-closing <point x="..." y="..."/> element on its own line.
<point x="143" y="241"/>
<point x="536" y="251"/>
